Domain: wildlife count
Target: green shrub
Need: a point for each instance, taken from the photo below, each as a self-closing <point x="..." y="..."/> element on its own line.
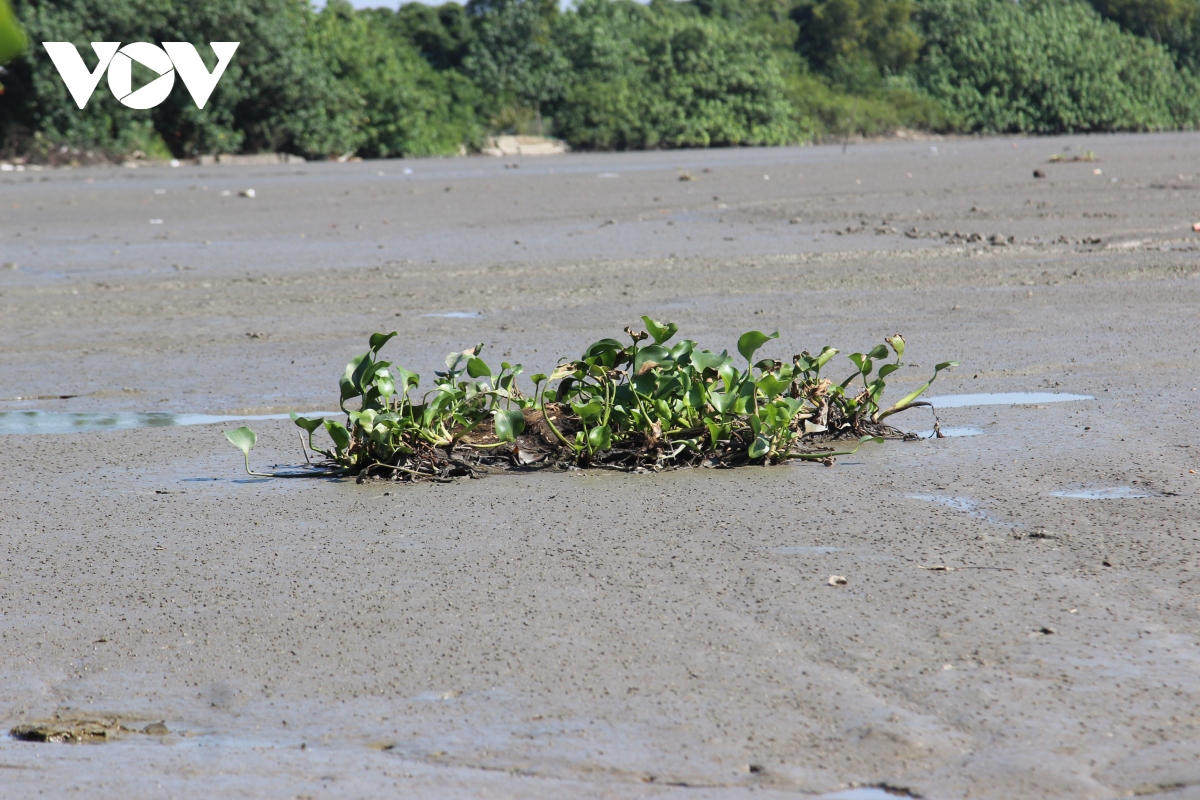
<point x="876" y="32"/>
<point x="647" y="77"/>
<point x="618" y="405"/>
<point x="1047" y="66"/>
<point x="515" y="58"/>
<point x="1175" y="24"/>
<point x="441" y="34"/>
<point x="402" y="105"/>
<point x="829" y="112"/>
<point x="275" y="94"/>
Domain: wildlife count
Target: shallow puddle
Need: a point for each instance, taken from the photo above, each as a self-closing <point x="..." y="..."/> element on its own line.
<point x="457" y="315"/>
<point x="27" y="422"/>
<point x="964" y="504"/>
<point x="1004" y="399"/>
<point x="1111" y="493"/>
<point x="950" y="433"/>
<point x="866" y="793"/>
<point x="801" y="550"/>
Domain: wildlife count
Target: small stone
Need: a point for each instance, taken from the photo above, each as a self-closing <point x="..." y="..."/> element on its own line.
<point x="838" y="580"/>
<point x="156" y="729"/>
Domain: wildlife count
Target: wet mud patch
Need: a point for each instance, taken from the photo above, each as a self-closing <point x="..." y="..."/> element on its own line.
<point x="1111" y="493"/>
<point x="85" y="729"/>
<point x="884" y="792"/>
<point x="37" y="422"/>
<point x="1004" y="399"/>
<point x="972" y="508"/>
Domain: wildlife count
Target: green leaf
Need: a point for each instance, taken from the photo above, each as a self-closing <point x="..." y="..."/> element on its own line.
<point x="749" y="343"/>
<point x="599" y="438"/>
<point x="12" y="39"/>
<point x="405" y="380"/>
<point x="792" y="406"/>
<point x="704" y="359"/>
<point x="339" y="434"/>
<point x="759" y="447"/>
<point x="659" y="331"/>
<point x="903" y="403"/>
<point x="509" y="424"/>
<point x="714" y="431"/>
<point x="887" y="369"/>
<point x="723" y="401"/>
<point x="309" y="425"/>
<point x="384" y="384"/>
<point x="378" y="340"/>
<point x="880" y="351"/>
<point x="729" y="375"/>
<point x="682" y="349"/>
<point x="772" y="385"/>
<point x="476" y="368"/>
<point x="823" y="456"/>
<point x="588" y="411"/>
<point x="650" y="356"/>
<point x="243" y="439"/>
<point x="605" y="350"/>
<point x="897" y="343"/>
<point x="826" y="354"/>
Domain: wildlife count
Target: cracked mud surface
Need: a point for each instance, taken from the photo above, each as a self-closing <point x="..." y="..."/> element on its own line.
<point x="609" y="635"/>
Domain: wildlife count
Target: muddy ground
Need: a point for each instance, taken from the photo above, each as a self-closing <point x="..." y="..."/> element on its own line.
<point x="567" y="634"/>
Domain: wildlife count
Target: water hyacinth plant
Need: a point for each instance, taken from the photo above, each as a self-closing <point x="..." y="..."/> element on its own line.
<point x="642" y="403"/>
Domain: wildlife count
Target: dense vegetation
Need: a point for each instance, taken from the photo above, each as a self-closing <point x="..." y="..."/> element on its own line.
<point x="614" y="74"/>
<point x="642" y="403"/>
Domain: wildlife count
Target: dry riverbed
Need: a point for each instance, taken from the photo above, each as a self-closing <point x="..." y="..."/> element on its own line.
<point x="1019" y="614"/>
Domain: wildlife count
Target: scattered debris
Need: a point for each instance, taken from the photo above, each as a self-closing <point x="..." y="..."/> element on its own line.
<point x="1037" y="173"/>
<point x="247" y="193"/>
<point x="1059" y="158"/>
<point x="944" y="568"/>
<point x="79" y="730"/>
<point x="838" y="580"/>
<point x="958" y="237"/>
<point x="686" y="176"/>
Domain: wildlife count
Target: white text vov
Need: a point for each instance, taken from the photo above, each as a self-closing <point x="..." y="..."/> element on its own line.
<point x="172" y="57"/>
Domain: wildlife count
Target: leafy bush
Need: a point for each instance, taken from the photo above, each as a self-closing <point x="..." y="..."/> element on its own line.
<point x="441" y="34"/>
<point x="276" y="94"/>
<point x="1047" y="66"/>
<point x="300" y="82"/>
<point x="514" y="57"/>
<point x="618" y="405"/>
<point x="877" y="32"/>
<point x="647" y="77"/>
<point x="1175" y="24"/>
<point x="403" y="106"/>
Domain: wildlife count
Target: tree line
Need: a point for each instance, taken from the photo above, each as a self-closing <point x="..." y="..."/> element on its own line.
<point x="612" y="74"/>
